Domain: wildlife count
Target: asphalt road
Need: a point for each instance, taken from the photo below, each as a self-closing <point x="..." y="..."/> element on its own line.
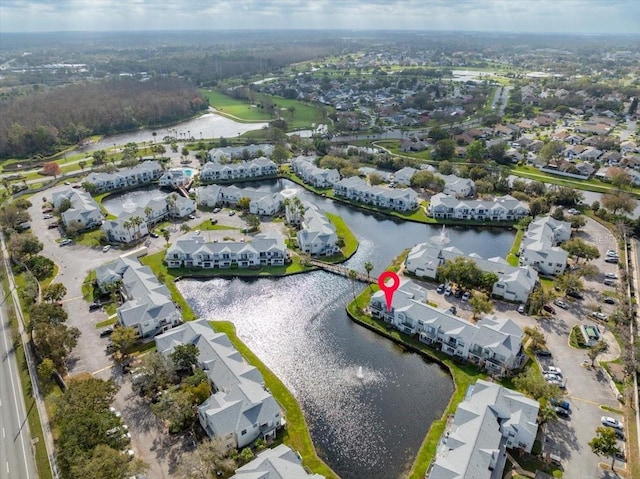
<point x="16" y="457"/>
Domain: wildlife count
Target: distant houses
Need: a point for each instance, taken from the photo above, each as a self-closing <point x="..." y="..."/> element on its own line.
<point x="515" y="283"/>
<point x="356" y="189"/>
<point x="502" y="208"/>
<point x="539" y="248"/>
<point x="241" y="409"/>
<point x="261" y="203"/>
<point x="492" y="343"/>
<point x="232" y="153"/>
<point x="83" y="212"/>
<point x="148" y="306"/>
<point x="490" y="420"/>
<point x="142" y="174"/>
<point x="192" y="251"/>
<point x="253" y="169"/>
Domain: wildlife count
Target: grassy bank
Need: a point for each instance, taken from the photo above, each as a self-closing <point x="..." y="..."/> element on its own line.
<point x="296" y="434"/>
<point x="343" y="231"/>
<point x="512" y="259"/>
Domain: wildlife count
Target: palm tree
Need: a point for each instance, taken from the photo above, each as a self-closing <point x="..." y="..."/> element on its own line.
<point x="166" y="236"/>
<point x="353" y="275"/>
<point x="147" y="213"/>
<point x="127" y="224"/>
<point x="368" y="267"/>
<point x="137" y="222"/>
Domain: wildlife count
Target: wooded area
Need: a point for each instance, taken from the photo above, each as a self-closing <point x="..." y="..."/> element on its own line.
<point x="42" y="123"/>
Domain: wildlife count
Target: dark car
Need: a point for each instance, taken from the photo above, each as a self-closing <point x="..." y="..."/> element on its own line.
<point x="611" y="259"/>
<point x="561" y="404"/>
<point x="452" y="310"/>
<point x="457" y="293"/>
<point x="542" y="352"/>
<point x="94" y="306"/>
<point x="106" y="332"/>
<point x="549" y="309"/>
<point x="575" y="294"/>
<point x="52" y="225"/>
<point x="561" y="412"/>
<point x="214" y="221"/>
<point x="440" y="289"/>
<point x="153" y="234"/>
<point x="609" y="300"/>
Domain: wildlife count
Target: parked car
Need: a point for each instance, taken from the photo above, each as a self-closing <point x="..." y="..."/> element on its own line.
<point x="574" y="294"/>
<point x="65" y="242"/>
<point x="466" y="296"/>
<point x="561" y="412"/>
<point x="216" y="210"/>
<point x="573" y="211"/>
<point x="106" y="248"/>
<point x="52" y="225"/>
<point x="48" y="216"/>
<point x="561" y="304"/>
<point x="612" y="253"/>
<point x="440" y="289"/>
<point x="154" y="235"/>
<point x="611" y="276"/>
<point x="542" y="352"/>
<point x="611" y="259"/>
<point x="552" y="377"/>
<point x="554" y="370"/>
<point x="232" y="212"/>
<point x="561" y="403"/>
<point x="610" y="422"/>
<point x="94" y="306"/>
<point x="457" y="293"/>
<point x="106" y="332"/>
<point x="549" y="309"/>
<point x="447" y="291"/>
<point x="214" y="221"/>
<point x="521" y="309"/>
<point x="609" y="300"/>
<point x="452" y="310"/>
<point x="609" y="282"/>
<point x="598" y="315"/>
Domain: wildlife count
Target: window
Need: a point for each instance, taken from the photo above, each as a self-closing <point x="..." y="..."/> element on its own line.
<point x="244" y="431"/>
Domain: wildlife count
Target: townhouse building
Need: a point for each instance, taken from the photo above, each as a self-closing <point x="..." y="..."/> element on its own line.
<point x="175" y="178"/>
<point x="492" y="343"/>
<point x="539" y="248"/>
<point x="84" y="212"/>
<point x="258" y="168"/>
<point x="142" y="174"/>
<point x="232" y="153"/>
<point x="515" y="283"/>
<point x="240" y="409"/>
<point x="309" y="173"/>
<point x="148" y="306"/>
<point x="356" y="189"/>
<point x="281" y="462"/>
<point x="317" y="235"/>
<point x="502" y="208"/>
<point x="261" y="203"/>
<point x="457" y="186"/>
<point x="192" y="251"/>
<point x="490" y="420"/>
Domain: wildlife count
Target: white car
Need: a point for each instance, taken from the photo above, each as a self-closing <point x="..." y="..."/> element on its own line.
<point x="115" y="412"/>
<point x="599" y="315"/>
<point x="106" y="248"/>
<point x="612" y="253"/>
<point x="573" y="211"/>
<point x="521" y="309"/>
<point x="610" y="422"/>
<point x="561" y="304"/>
<point x="447" y="291"/>
<point x="552" y="377"/>
<point x="554" y="370"/>
<point x="611" y="276"/>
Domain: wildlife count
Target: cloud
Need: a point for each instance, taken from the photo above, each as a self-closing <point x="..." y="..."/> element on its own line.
<point x="587" y="16"/>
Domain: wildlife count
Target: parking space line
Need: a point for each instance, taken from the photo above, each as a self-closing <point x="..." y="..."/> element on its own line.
<point x="70" y="299"/>
<point x="585" y="400"/>
<point x="103" y="369"/>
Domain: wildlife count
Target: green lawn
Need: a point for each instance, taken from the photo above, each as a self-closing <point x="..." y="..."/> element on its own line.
<point x="296" y="434"/>
<point x="512" y="259"/>
<point x="302" y="114"/>
<point x="343" y="231"/>
<point x="207" y="226"/>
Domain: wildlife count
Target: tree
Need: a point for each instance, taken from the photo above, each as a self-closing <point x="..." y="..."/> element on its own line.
<point x="185" y="356"/>
<point x="533" y="384"/>
<point x="56" y="341"/>
<point x="605" y="443"/>
<point x="90" y="188"/>
<point x="445" y="168"/>
<point x="546" y="414"/>
<point x="166" y="235"/>
<point x="595" y="350"/>
<point x="538" y="206"/>
<point x="54" y="292"/>
<point x="568" y="281"/>
<point x="368" y="267"/>
<point x="375" y="179"/>
<point x="124" y="338"/>
<point x="536" y="337"/>
<point x="480" y="303"/>
<point x="99" y="157"/>
<point x="353" y="275"/>
<point x="51" y="168"/>
<point x="82" y="164"/>
<point x="51" y="313"/>
<point x="159" y="373"/>
<point x="577" y="221"/>
<point x="497" y="153"/>
<point x="618" y="201"/>
<point x="444" y="150"/>
<point x="105" y="462"/>
<point x="538" y="299"/>
<point x="549" y="150"/>
<point x="475" y="151"/>
<point x="280" y="154"/>
<point x="243" y="203"/>
<point x="184" y="227"/>
<point x="210" y="456"/>
<point x="436" y="134"/>
<point x="618" y="177"/>
<point x="45" y="370"/>
<point x="462" y="271"/>
<point x="175" y="407"/>
<point x="246" y="455"/>
<point x="253" y="222"/>
<point x="24" y="246"/>
<point x="41" y="266"/>
<point x="578" y="248"/>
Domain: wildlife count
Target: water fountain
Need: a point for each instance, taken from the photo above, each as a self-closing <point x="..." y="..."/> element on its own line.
<point x="360" y="374"/>
<point x="442" y="237"/>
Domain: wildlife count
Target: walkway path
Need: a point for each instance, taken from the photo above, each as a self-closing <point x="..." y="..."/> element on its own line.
<point x="342" y="271"/>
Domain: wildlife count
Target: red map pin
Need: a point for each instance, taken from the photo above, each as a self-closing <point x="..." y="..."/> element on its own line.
<point x="389" y="289"/>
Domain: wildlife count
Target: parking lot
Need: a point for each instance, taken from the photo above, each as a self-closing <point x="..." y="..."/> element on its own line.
<point x="586" y="389"/>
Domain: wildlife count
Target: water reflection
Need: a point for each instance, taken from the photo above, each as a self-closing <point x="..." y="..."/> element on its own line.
<point x="370" y="427"/>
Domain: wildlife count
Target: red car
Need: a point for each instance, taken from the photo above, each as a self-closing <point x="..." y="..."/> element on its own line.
<point x="549" y="309"/>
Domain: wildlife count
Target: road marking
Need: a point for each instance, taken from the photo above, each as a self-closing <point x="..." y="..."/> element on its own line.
<point x="71" y="299"/>
<point x="3" y="433"/>
<point x="585" y="400"/>
<point x="103" y="369"/>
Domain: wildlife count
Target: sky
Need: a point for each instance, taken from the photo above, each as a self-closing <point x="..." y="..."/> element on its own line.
<point x="558" y="16"/>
